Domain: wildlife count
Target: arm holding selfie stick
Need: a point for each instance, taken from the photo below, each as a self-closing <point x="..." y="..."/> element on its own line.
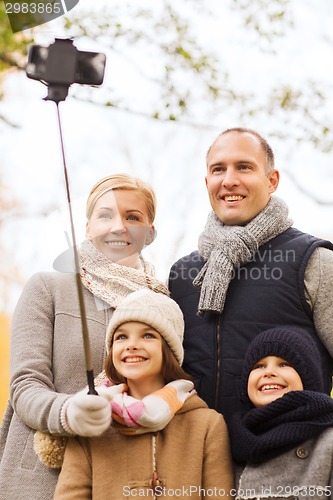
<point x="48" y="365"/>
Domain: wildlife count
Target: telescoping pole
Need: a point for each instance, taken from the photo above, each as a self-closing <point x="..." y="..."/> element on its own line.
<point x="85" y="335"/>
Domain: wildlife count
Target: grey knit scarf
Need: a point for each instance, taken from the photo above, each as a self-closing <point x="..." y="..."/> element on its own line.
<point x="225" y="248"/>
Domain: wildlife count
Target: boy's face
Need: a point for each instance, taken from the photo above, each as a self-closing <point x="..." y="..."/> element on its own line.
<point x="271" y="378"/>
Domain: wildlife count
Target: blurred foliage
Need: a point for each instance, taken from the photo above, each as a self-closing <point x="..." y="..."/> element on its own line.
<point x="268" y="18"/>
<point x="163" y="36"/>
<point x="189" y="75"/>
<point x="9" y="274"/>
<point x="181" y="75"/>
<point x="13" y="47"/>
<point x="4" y="362"/>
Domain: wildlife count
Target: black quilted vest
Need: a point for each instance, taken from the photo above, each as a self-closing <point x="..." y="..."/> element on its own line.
<point x="267" y="291"/>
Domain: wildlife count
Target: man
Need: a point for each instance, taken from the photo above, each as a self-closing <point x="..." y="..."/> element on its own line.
<point x="253" y="271"/>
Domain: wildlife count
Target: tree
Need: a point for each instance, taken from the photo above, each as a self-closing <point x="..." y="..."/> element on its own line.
<point x="188" y="72"/>
<point x="180" y="72"/>
<point x="13" y="47"/>
<point x="13" y="50"/>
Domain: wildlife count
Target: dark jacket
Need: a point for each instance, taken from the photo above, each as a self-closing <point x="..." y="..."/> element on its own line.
<point x="265" y="292"/>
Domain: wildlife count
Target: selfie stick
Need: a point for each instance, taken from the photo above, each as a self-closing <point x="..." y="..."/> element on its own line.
<point x="85" y="335"/>
<point x="58" y="72"/>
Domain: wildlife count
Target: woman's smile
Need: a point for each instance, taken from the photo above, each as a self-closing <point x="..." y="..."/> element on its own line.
<point x="119" y="226"/>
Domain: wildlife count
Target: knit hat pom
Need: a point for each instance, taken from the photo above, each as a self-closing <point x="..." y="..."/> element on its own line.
<point x="292" y="344"/>
<point x="156" y="310"/>
<point x="50" y="449"/>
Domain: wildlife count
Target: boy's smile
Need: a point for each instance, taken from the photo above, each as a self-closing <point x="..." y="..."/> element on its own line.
<point x="271" y="378"/>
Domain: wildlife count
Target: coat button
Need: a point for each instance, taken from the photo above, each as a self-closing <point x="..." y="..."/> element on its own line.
<point x="302" y="452"/>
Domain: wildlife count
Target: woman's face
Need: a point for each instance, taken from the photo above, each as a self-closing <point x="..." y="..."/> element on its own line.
<point x="119" y="226"/>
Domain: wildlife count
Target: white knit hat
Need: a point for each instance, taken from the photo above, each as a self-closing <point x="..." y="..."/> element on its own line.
<point x="156" y="310"/>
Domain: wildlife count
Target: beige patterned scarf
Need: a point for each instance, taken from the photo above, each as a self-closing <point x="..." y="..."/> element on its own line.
<point x="112" y="282"/>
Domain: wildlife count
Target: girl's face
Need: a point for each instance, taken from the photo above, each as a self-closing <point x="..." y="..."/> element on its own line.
<point x="137" y="356"/>
<point x="119" y="226"/>
<point x="271" y="378"/>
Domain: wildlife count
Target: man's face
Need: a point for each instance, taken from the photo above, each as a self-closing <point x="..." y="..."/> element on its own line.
<point x="237" y="181"/>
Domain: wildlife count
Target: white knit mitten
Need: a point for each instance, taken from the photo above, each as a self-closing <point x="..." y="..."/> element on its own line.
<point x="86" y="414"/>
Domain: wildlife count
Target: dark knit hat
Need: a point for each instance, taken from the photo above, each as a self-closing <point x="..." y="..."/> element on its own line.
<point x="292" y="344"/>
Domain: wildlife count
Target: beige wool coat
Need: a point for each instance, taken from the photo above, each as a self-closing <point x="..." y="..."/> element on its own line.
<point x="47" y="364"/>
<point x="192" y="458"/>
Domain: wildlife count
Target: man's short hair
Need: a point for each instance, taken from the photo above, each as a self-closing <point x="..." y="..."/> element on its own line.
<point x="270" y="162"/>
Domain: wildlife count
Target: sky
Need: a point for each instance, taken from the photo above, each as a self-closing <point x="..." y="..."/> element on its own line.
<point x="171" y="156"/>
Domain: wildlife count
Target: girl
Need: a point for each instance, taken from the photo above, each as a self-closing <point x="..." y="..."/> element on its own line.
<point x="283" y="445"/>
<point x="47" y="356"/>
<point x="164" y="441"/>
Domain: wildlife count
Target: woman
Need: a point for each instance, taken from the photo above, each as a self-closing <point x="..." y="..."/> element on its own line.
<point x="47" y="357"/>
<point x="164" y="441"/>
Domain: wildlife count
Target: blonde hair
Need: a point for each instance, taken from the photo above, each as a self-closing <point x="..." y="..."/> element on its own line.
<point x="125" y="182"/>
